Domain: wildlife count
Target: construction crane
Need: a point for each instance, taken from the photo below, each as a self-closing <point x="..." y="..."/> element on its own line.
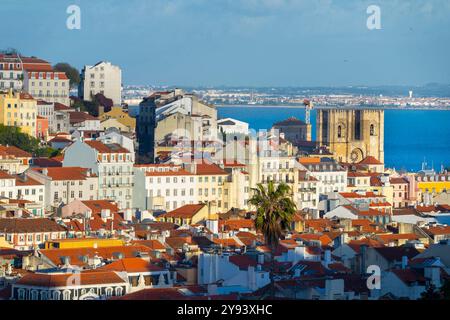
<point x="308" y="107"/>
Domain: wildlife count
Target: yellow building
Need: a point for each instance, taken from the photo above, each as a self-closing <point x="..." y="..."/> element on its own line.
<point x="434" y="184"/>
<point x="18" y="109"/>
<point x="4" y="243"/>
<point x="188" y="214"/>
<point x="118" y="114"/>
<point x="83" y="243"/>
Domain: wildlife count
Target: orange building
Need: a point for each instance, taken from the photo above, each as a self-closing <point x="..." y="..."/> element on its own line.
<point x="41" y="127"/>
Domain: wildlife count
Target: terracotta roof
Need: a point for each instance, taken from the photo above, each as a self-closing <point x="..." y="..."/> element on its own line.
<point x="14" y="151"/>
<point x="46" y="162"/>
<point x="19" y="225"/>
<point x="26" y="181"/>
<point x="386" y="238"/>
<point x="370" y="161"/>
<point x="176" y="293"/>
<point x="243" y="261"/>
<point x="59" y="106"/>
<point x="229" y="242"/>
<point x="106" y="148"/>
<point x="236" y="224"/>
<point x="324" y="239"/>
<point x="97" y="205"/>
<point x="76" y="116"/>
<point x="396" y="253"/>
<point x="409" y="276"/>
<point x="292" y="121"/>
<point x="131" y="265"/>
<point x="398" y="181"/>
<point x="205" y="169"/>
<point x="64" y="280"/>
<point x="438" y="230"/>
<point x="64" y="173"/>
<point x="152" y="244"/>
<point x="186" y="211"/>
<point x="77" y="255"/>
<point x="359" y="195"/>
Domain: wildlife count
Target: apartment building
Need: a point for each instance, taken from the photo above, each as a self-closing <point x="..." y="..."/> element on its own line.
<point x="210" y="185"/>
<point x="28" y="234"/>
<point x="104" y="78"/>
<point x="11" y="72"/>
<point x="14" y="160"/>
<point x="332" y="176"/>
<point x="21" y="187"/>
<point x="163" y="187"/>
<point x="111" y="163"/>
<point x="236" y="190"/>
<point x="48" y="85"/>
<point x="65" y="184"/>
<point x="169" y="186"/>
<point x="83" y="121"/>
<point x="18" y="109"/>
<point x="306" y="191"/>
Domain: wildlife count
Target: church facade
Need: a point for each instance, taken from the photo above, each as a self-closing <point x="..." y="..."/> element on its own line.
<point x="351" y="134"/>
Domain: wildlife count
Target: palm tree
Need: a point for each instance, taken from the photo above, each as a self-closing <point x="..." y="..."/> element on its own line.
<point x="274" y="212"/>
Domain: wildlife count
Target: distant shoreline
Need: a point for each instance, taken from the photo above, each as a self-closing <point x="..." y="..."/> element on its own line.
<point x="287" y="106"/>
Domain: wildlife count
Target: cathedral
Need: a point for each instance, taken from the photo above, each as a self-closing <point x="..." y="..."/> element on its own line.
<point x="351" y="134"/>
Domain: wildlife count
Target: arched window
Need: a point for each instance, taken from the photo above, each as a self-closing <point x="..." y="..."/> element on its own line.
<point x="66" y="295"/>
<point x="118" y="291"/>
<point x="339" y="133"/>
<point x="34" y="295"/>
<point x="109" y="292"/>
<point x="372" y="130"/>
<point x="56" y="295"/>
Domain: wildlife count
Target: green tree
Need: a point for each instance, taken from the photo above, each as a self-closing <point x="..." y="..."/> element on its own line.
<point x="71" y="72"/>
<point x="14" y="137"/>
<point x="274" y="213"/>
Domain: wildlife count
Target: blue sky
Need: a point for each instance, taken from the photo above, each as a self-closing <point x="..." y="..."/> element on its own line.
<point x="241" y="42"/>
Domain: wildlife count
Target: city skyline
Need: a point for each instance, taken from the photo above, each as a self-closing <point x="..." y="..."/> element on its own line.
<point x="231" y="43"/>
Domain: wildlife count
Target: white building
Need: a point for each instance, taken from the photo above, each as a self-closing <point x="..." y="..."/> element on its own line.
<point x="113" y="165"/>
<point x="83" y="121"/>
<point x="232" y="126"/>
<point x="112" y="136"/>
<point x="21" y="187"/>
<point x="103" y="78"/>
<point x="240" y="271"/>
<point x="163" y="187"/>
<point x="333" y="177"/>
<point x="65" y="184"/>
<point x="51" y="86"/>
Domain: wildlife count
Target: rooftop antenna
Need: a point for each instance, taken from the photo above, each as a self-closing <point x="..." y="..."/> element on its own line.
<point x="424" y="164"/>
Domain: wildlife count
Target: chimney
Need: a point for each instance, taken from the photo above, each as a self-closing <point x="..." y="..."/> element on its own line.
<point x="105" y="213"/>
<point x="404" y="262"/>
<point x="363" y="250"/>
<point x="327" y="258"/>
<point x="434" y="275"/>
<point x="18" y="213"/>
<point x="260" y="258"/>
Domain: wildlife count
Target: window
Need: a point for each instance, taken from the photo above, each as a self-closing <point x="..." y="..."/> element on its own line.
<point x="339" y="133"/>
<point x="372" y="130"/>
